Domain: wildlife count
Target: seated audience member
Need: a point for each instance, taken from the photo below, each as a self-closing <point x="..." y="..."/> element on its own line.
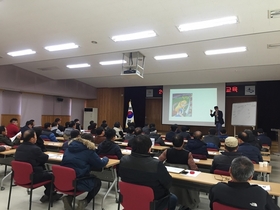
<point x="29" y="152"/>
<point x="253" y="140"/>
<point x="223" y="135"/>
<point x="81" y="156"/>
<point x="47" y="134"/>
<point x="78" y="125"/>
<point x="248" y="150"/>
<point x="28" y="125"/>
<point x="69" y="129"/>
<point x="264" y="139"/>
<point x="169" y="136"/>
<point x="100" y="135"/>
<point x="130" y="133"/>
<point x="146" y="129"/>
<point x="4" y="148"/>
<point x="188" y="199"/>
<point x="212" y="138"/>
<point x="118" y="128"/>
<point x="87" y="136"/>
<point x="222" y="162"/>
<point x="66" y="125"/>
<point x="92" y="128"/>
<point x="140" y="168"/>
<point x="184" y="133"/>
<point x="196" y="145"/>
<point x="238" y="192"/>
<point x="40" y="141"/>
<point x="4" y="139"/>
<point x="137" y="132"/>
<point x="12" y="128"/>
<point x="91" y="125"/>
<point x="108" y="146"/>
<point x="156" y="136"/>
<point x="60" y="127"/>
<point x="74" y="134"/>
<point x="56" y="130"/>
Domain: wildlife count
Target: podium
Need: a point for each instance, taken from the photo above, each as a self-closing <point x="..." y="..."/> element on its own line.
<point x="278" y="139"/>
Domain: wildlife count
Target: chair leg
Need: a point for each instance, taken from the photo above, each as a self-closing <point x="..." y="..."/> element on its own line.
<point x="93" y="202"/>
<point x="30" y="198"/>
<point x="12" y="178"/>
<point x="74" y="202"/>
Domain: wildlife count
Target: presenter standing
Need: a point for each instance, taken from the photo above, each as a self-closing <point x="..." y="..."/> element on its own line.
<point x="219" y="121"/>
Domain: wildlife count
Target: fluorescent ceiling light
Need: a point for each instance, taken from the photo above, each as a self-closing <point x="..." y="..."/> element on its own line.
<point x="208" y="23"/>
<point x="271" y="46"/>
<point x="21" y="52"/>
<point x="67" y="46"/>
<point x="81" y="65"/>
<point x="140" y="35"/>
<point x="224" y="51"/>
<point x="173" y="56"/>
<point x="112" y="62"/>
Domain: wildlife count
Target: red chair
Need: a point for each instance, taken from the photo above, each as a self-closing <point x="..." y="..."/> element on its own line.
<point x="137" y="197"/>
<point x="199" y="156"/>
<point x="219" y="206"/>
<point x="65" y="181"/>
<point x="212" y="149"/>
<point x="22" y="173"/>
<point x="221" y="172"/>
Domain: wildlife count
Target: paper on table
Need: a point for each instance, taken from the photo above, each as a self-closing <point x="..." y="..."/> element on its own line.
<point x="55" y="156"/>
<point x="174" y="169"/>
<point x="196" y="160"/>
<point x="265" y="187"/>
<point x="13" y="138"/>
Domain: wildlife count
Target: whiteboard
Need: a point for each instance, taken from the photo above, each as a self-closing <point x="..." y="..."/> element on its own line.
<point x="244" y="114"/>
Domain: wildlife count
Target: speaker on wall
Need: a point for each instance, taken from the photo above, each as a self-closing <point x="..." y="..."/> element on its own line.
<point x="59" y="99"/>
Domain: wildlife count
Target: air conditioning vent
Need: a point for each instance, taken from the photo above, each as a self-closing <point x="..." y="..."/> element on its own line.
<point x="273" y="46"/>
<point x="274" y="13"/>
<point x="49" y="68"/>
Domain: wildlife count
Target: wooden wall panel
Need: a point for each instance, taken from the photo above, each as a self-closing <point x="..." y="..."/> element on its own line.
<point x="110" y="105"/>
<point x="5" y="118"/>
<point x="51" y="118"/>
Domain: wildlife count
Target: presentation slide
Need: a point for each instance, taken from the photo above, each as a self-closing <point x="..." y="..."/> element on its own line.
<point x="191" y="104"/>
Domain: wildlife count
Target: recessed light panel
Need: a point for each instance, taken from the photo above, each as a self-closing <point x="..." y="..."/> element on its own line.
<point x="81" y="65"/>
<point x="225" y="51"/>
<point x="67" y="46"/>
<point x="112" y="62"/>
<point x="21" y="52"/>
<point x="208" y="23"/>
<point x="173" y="56"/>
<point x="139" y="35"/>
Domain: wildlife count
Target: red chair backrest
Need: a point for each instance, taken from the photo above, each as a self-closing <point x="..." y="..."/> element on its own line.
<point x="22" y="172"/>
<point x="109" y="156"/>
<point x="63" y="177"/>
<point x="199" y="156"/>
<point x="220" y="172"/>
<point x="129" y="148"/>
<point x="212" y="149"/>
<point x="136" y="197"/>
<point x="125" y="140"/>
<point x="219" y="206"/>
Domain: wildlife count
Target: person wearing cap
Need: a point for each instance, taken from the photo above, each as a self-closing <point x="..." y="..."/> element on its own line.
<point x="74" y="134"/>
<point x="238" y="192"/>
<point x="222" y="162"/>
<point x="264" y="139"/>
<point x="247" y="149"/>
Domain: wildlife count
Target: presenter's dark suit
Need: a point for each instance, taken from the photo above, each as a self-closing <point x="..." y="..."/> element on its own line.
<point x="219" y="121"/>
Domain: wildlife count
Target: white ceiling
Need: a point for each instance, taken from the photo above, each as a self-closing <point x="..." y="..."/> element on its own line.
<point x="36" y="24"/>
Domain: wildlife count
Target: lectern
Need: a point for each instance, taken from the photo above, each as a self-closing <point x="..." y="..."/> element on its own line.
<point x="278" y="138"/>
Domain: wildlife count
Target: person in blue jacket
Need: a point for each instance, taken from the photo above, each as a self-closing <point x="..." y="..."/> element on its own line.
<point x="81" y="156"/>
<point x="47" y="133"/>
<point x="196" y="145"/>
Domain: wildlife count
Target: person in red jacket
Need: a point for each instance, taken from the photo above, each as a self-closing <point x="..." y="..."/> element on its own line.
<point x="12" y="128"/>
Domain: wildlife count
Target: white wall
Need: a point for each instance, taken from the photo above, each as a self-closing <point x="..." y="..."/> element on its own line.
<point x="77" y="109"/>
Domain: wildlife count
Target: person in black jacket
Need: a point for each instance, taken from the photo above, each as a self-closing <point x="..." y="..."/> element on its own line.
<point x="219" y="121"/>
<point x="4" y="138"/>
<point x="238" y="192"/>
<point x="222" y="162"/>
<point x="156" y="136"/>
<point x="211" y="138"/>
<point x="39" y="142"/>
<point x="29" y="152"/>
<point x="196" y="145"/>
<point x="108" y="146"/>
<point x="169" y="136"/>
<point x="185" y="133"/>
<point x="140" y="168"/>
<point x="263" y="139"/>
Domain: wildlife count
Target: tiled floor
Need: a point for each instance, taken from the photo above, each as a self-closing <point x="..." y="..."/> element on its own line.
<point x="20" y="198"/>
